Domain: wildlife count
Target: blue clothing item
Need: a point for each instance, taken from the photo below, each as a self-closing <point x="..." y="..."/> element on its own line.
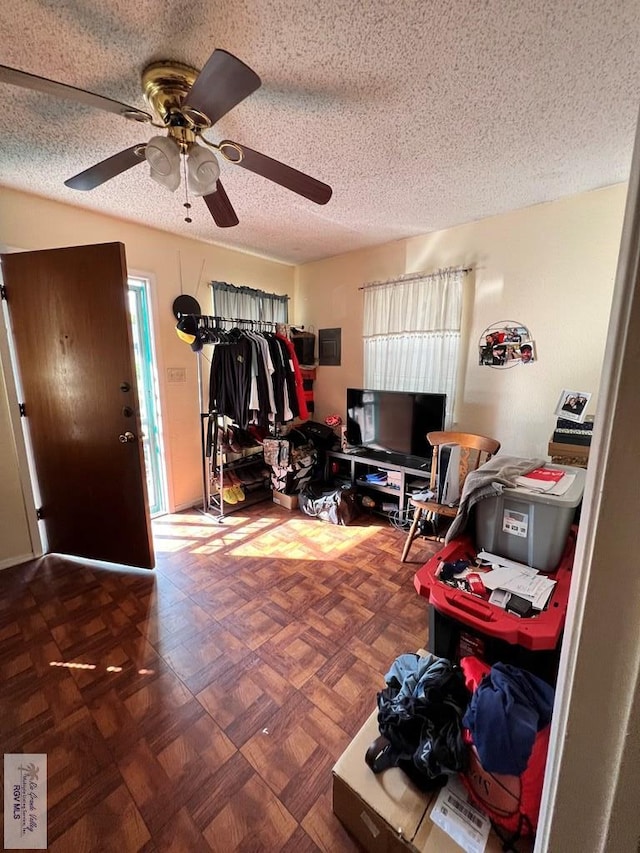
<point x="506" y="712"/>
<point x="413" y="674"/>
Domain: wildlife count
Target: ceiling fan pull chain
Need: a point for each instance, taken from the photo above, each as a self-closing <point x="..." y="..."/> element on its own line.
<point x="187" y="204"/>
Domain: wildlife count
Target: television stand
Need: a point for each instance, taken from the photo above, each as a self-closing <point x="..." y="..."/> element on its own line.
<point x="353" y="467"/>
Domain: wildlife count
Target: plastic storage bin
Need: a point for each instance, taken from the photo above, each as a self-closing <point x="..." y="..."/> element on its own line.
<point x="463" y="624"/>
<point x="529" y="527"/>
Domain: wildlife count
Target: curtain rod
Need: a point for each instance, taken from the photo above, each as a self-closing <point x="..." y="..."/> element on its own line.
<point x="243" y="288"/>
<point x="414" y="275"/>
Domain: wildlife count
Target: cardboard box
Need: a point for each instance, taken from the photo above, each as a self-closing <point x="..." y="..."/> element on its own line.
<point x="289" y="502"/>
<point x="386" y="812"/>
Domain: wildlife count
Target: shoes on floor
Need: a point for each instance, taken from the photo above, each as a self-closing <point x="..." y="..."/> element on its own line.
<point x="236" y="486"/>
<point x="229" y="495"/>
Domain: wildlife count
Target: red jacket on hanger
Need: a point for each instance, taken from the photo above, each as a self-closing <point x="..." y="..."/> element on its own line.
<point x="302" y="403"/>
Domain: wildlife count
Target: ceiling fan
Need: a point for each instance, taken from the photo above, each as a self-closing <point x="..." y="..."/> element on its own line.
<point x="184" y="103"/>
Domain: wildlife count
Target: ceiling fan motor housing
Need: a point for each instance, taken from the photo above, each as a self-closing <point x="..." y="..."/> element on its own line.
<point x="165" y="85"/>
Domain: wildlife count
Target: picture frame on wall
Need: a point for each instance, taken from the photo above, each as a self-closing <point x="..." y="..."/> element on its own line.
<point x="506" y="344"/>
<point x="572" y="405"/>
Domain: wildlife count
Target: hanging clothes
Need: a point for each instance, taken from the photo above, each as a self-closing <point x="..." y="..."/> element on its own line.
<point x="255" y="379"/>
<point x="297" y="378"/>
<point x="229" y="380"/>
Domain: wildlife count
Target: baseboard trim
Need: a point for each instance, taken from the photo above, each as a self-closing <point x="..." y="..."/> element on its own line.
<point x="15" y="561"/>
<point x="196" y="503"/>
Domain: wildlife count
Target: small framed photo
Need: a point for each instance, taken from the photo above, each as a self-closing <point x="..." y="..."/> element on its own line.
<point x="572" y="405"/>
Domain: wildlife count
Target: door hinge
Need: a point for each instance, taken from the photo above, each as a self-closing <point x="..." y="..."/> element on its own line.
<point x="3" y="292"/>
<point x="39" y="513"/>
<point x="22" y="409"/>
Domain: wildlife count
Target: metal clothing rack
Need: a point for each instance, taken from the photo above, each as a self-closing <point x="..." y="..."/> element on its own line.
<point x="212" y="325"/>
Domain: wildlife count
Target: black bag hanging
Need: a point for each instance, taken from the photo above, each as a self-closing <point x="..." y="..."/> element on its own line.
<point x="322" y="436"/>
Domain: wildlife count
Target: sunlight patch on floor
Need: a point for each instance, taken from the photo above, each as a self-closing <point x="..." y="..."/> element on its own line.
<point x="181" y="532"/>
<point x="223" y="537"/>
<point x="305" y="539"/>
<point x="195" y="518"/>
<point x="220" y="543"/>
<point x="296" y="538"/>
<point x="191" y="531"/>
<point x="166" y="545"/>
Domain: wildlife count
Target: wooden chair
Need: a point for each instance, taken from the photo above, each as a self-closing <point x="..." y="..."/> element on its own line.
<point x="474" y="451"/>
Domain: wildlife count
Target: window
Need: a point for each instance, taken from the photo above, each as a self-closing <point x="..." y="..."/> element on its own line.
<point x="412" y="334"/>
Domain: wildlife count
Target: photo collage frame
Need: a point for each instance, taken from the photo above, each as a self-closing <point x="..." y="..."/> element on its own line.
<point x="506" y="344"/>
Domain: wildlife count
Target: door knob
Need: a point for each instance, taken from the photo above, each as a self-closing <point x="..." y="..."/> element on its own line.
<point x="126" y="436"/>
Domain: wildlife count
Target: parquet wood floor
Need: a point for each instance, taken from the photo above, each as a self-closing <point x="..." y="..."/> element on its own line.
<point x="217" y="691"/>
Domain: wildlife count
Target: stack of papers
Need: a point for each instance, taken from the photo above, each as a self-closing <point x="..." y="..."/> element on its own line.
<point x="517" y="578"/>
<point x="547" y="480"/>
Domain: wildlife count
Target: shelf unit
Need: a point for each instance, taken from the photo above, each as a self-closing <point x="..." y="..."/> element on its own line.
<point x="254" y="493"/>
<point x="216" y="467"/>
<point x="360" y="463"/>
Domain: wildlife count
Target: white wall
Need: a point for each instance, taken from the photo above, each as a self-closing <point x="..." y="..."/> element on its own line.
<point x="550" y="267"/>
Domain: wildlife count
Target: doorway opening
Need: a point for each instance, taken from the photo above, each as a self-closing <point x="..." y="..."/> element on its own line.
<point x="147" y="377"/>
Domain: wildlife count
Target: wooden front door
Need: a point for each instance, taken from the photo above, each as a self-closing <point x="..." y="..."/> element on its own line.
<point x="72" y="334"/>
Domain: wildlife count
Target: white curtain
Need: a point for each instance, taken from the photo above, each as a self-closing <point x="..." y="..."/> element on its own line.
<point x="412" y="335"/>
<point x="247" y="303"/>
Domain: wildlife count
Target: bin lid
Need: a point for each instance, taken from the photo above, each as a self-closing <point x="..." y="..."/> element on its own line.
<point x="571" y="498"/>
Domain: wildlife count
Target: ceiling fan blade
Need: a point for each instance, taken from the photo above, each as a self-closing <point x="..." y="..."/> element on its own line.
<point x="107" y="169"/>
<point x="80" y="96"/>
<point x="221" y="208"/>
<point x="223" y="82"/>
<point x="278" y="172"/>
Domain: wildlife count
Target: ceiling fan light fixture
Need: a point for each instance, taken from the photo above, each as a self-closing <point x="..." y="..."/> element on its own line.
<point x="203" y="170"/>
<point x="163" y="157"/>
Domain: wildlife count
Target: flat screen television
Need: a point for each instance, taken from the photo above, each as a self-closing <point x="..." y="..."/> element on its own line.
<point x="394" y="421"/>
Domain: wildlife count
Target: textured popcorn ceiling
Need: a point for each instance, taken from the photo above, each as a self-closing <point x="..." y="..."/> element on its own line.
<point x="420" y="115"/>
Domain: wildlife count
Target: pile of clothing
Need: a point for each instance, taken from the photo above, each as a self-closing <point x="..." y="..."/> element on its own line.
<point x="488" y="723"/>
<point x="420" y="720"/>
